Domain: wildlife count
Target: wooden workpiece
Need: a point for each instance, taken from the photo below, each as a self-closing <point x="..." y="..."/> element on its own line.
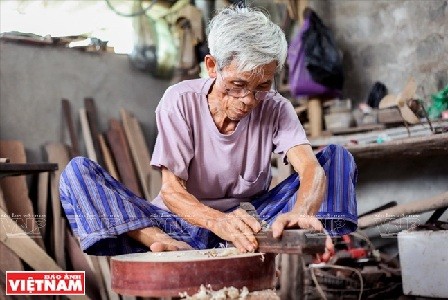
<point x="167" y="274"/>
<point x="404" y="210"/>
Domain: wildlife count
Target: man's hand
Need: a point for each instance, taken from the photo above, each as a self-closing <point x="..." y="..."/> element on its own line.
<point x="239" y="228"/>
<point x="329" y="252"/>
<point x="293" y="219"/>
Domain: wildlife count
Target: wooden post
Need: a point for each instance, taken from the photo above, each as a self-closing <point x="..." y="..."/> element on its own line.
<point x="291" y="277"/>
<point x="315" y="116"/>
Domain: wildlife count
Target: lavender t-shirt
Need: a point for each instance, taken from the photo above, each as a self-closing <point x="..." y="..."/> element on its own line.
<point x="221" y="170"/>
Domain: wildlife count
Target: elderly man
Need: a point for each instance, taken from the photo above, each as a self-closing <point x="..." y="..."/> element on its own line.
<point x="216" y="137"/>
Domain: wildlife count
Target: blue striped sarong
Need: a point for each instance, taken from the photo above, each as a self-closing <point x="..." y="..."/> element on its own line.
<point x="101" y="210"/>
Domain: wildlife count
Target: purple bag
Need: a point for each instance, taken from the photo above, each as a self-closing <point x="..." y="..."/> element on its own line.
<point x="300" y="81"/>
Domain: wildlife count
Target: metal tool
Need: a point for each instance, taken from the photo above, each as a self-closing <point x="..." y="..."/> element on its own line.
<point x="250" y="209"/>
<point x="292" y="241"/>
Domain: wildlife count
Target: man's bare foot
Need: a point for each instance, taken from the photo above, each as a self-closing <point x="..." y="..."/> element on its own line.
<point x="163" y="246"/>
<point x="157" y="240"/>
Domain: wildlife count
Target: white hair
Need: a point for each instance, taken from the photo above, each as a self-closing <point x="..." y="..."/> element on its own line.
<point x="247" y="36"/>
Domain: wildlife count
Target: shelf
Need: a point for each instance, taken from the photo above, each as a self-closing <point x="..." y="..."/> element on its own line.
<point x="17" y="169"/>
<point x="397" y="142"/>
<point x="436" y="144"/>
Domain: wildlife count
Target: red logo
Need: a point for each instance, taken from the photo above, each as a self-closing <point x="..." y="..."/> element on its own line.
<point x="45" y="283"/>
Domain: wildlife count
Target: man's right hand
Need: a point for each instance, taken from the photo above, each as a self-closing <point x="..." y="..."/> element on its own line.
<point x="239" y="228"/>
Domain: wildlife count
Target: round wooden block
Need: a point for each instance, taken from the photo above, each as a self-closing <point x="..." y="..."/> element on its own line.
<point x="167" y="274"/>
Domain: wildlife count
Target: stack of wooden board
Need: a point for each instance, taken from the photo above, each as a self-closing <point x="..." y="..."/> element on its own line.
<point x="44" y="240"/>
<point x="122" y="151"/>
<point x="31" y="236"/>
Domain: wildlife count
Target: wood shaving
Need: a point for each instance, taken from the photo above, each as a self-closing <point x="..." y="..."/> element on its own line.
<point x="206" y="293"/>
<point x="211" y="253"/>
<point x="229" y="252"/>
<point x="224" y="253"/>
<point x="263" y="295"/>
<point x="264" y="225"/>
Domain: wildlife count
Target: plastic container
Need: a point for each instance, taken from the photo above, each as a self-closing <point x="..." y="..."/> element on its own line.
<point x="365" y="117"/>
<point x="424" y="262"/>
<point x="340" y="105"/>
<point x="338" y="120"/>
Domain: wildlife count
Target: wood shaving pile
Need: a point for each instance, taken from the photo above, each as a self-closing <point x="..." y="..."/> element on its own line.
<point x="225" y="253"/>
<point x="230" y="293"/>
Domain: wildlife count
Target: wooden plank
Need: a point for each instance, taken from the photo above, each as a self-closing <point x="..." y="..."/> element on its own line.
<point x="80" y="262"/>
<point x="9" y="261"/>
<point x="87" y="135"/>
<point x="57" y="153"/>
<point x="139" y="150"/>
<point x="105" y="270"/>
<point x="315" y="116"/>
<point x="18" y="169"/>
<point x="27" y="249"/>
<point x="100" y="263"/>
<point x="435" y="144"/>
<point x="404" y="210"/>
<point x="15" y="191"/>
<point x="153" y="177"/>
<point x="120" y="148"/>
<point x="100" y="277"/>
<point x="2" y="201"/>
<point x="42" y="198"/>
<point x="15" y="238"/>
<point x="155" y="182"/>
<point x="92" y="118"/>
<point x="66" y="108"/>
<point x="108" y="158"/>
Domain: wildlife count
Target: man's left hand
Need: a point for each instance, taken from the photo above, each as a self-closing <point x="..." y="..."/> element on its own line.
<point x="293" y="219"/>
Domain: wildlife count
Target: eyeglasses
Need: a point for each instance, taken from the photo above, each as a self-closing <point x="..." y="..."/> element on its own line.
<point x="241" y="92"/>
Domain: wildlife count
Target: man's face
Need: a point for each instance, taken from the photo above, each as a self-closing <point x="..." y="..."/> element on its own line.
<point x="240" y="92"/>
